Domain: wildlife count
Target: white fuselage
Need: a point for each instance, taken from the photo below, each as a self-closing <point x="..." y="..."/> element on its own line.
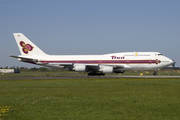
<point x="125" y="61"/>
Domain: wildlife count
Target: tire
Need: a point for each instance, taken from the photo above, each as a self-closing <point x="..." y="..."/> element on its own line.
<point x="154" y="73"/>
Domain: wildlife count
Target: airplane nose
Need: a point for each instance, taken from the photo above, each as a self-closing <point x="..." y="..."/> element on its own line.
<point x="171" y="62"/>
<point x="168" y="62"/>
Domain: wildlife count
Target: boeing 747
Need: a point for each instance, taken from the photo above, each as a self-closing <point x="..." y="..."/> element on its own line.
<point x="93" y="64"/>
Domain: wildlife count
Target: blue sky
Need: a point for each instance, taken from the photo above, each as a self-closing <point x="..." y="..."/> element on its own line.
<point x="90" y="27"/>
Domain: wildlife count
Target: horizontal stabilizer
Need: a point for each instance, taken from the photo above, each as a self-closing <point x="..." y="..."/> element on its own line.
<point x="23" y="59"/>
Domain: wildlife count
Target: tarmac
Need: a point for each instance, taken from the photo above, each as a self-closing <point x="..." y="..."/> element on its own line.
<point x="85" y="77"/>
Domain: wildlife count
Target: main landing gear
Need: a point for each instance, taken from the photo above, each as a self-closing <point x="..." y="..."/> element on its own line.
<point x="95" y="74"/>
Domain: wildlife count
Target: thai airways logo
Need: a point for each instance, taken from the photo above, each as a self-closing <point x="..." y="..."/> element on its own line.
<point x="26" y="47"/>
<point x="115" y="57"/>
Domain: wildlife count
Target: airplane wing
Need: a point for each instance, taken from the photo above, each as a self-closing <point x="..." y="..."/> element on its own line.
<point x="90" y="67"/>
<point x="114" y="66"/>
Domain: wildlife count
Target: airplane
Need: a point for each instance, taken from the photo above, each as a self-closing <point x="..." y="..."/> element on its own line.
<point x="93" y="64"/>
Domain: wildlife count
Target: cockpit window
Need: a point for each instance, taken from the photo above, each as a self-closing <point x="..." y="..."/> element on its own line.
<point x="160" y="54"/>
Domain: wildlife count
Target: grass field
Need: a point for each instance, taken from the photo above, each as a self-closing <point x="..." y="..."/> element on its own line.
<point x="90" y="99"/>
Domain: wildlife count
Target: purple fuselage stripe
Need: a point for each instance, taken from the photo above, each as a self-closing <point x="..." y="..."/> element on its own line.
<point x="106" y="61"/>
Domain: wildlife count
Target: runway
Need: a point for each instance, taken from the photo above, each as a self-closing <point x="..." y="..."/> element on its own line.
<point x="86" y="77"/>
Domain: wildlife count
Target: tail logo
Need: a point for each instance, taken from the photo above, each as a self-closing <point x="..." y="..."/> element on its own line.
<point x="26" y="47"/>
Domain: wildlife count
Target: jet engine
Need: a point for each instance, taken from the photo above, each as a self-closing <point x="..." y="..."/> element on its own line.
<point x="106" y="69"/>
<point x="80" y="68"/>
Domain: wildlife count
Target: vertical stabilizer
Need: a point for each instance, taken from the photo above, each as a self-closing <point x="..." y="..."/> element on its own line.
<point x="27" y="47"/>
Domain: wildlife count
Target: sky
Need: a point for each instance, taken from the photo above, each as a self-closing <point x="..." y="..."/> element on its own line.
<point x="90" y="27"/>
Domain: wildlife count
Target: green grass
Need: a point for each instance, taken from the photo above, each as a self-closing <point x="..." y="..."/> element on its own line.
<point x="38" y="73"/>
<point x="91" y="99"/>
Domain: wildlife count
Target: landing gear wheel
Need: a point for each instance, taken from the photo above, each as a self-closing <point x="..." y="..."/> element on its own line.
<point x="102" y="74"/>
<point x="95" y="74"/>
<point x="90" y="74"/>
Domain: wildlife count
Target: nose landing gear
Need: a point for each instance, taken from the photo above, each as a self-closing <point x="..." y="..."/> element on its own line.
<point x="155" y="73"/>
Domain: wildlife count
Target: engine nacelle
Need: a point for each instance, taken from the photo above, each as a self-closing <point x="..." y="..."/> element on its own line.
<point x="80" y="68"/>
<point x="106" y="69"/>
